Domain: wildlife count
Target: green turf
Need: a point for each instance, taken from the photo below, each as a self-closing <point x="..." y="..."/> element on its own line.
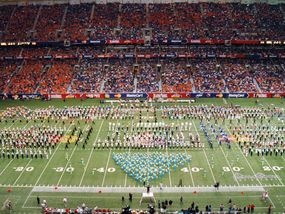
<point x="206" y="167"/>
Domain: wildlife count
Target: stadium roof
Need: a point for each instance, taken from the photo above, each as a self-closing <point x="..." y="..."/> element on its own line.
<point x="50" y="2"/>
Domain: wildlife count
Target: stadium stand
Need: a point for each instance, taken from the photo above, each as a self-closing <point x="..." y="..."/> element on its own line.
<point x="21" y="22"/>
<point x="49" y="22"/>
<point x="111" y="21"/>
<point x="193" y="68"/>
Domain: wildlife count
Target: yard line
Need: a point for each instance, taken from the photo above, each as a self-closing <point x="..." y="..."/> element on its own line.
<point x="120" y="208"/>
<point x="49" y="160"/>
<point x="190" y="171"/>
<point x="210" y="166"/>
<point x="227" y="162"/>
<point x="225" y="101"/>
<point x="27" y="198"/>
<point x="166" y="149"/>
<point x="23" y="206"/>
<point x="66" y="164"/>
<point x="6" y="166"/>
<point x="22" y="172"/>
<point x="170" y="182"/>
<point x="205" y="154"/>
<point x="90" y="155"/>
<point x="106" y="168"/>
<point x="12" y="159"/>
<point x="274" y="172"/>
<point x="126" y="176"/>
<point x="229" y="165"/>
<point x="271" y="202"/>
<point x="166" y="146"/>
<point x="138" y="197"/>
<point x="247" y="161"/>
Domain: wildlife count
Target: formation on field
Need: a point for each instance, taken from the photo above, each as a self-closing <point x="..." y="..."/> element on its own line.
<point x="119" y="147"/>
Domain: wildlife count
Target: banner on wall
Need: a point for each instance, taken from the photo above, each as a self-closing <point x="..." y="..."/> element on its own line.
<point x="154" y="95"/>
<point x="167" y="41"/>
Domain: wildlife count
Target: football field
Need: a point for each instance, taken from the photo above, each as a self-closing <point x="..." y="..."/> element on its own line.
<point x="84" y="174"/>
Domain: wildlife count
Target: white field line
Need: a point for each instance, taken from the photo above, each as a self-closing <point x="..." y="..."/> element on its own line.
<point x="11" y="159"/>
<point x="23" y="206"/>
<point x="190" y="171"/>
<point x="205" y="153"/>
<point x="229" y="165"/>
<point x="247" y="161"/>
<point x="66" y="165"/>
<point x="103" y="181"/>
<point x="225" y="101"/>
<point x="113" y="197"/>
<point x="271" y="202"/>
<point x="170" y="181"/>
<point x="39" y="178"/>
<point x="126" y="176"/>
<point x="6" y="166"/>
<point x="72" y="187"/>
<point x="210" y="166"/>
<point x="22" y="172"/>
<point x="138" y="197"/>
<point x="274" y="172"/>
<point x="117" y="208"/>
<point x="90" y="155"/>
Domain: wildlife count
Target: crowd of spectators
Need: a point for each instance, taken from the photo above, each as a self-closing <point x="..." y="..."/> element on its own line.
<point x="5" y="13"/>
<point x="105" y="19"/>
<point x="188" y="22"/>
<point x="88" y="76"/>
<point x="207" y="76"/>
<point x="162" y="19"/>
<point x="205" y="51"/>
<point x="132" y="21"/>
<point x="7" y="68"/>
<point x="63" y="52"/>
<point x="34" y="52"/>
<point x="147" y="77"/>
<point x="119" y="76"/>
<point x="77" y="21"/>
<point x="111" y="69"/>
<point x="176" y="77"/>
<point x="238" y="76"/>
<point x="58" y="78"/>
<point x="172" y="20"/>
<point x="269" y="76"/>
<point x="21" y="22"/>
<point x="49" y="22"/>
<point x="31" y="71"/>
<point x="9" y="52"/>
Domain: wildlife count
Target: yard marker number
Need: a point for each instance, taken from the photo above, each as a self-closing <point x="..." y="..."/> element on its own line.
<point x="275" y="168"/>
<point x="21" y="168"/>
<point x="60" y="169"/>
<point x="102" y="169"/>
<point x="235" y="169"/>
<point x="193" y="169"/>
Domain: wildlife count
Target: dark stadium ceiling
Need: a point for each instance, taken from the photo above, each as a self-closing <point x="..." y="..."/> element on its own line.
<point x="26" y="2"/>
